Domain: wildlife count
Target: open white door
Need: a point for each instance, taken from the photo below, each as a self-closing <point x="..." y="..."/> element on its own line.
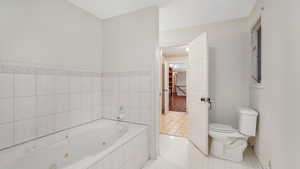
<point x="197" y="93"/>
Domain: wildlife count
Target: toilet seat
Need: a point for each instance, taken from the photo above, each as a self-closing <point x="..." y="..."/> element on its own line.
<point x="226" y="136"/>
<point x="225" y="132"/>
<point x="221" y="128"/>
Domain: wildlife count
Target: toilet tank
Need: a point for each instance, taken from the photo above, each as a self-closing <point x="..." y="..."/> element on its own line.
<point x="247" y="121"/>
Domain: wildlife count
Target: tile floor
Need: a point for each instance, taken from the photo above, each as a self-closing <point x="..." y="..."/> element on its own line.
<point x="178" y="153"/>
<point x="174" y="123"/>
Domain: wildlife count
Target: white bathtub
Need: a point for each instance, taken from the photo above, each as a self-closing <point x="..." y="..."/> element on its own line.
<point x="103" y="144"/>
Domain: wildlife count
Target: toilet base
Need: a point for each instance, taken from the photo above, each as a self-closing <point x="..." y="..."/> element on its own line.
<point x="230" y="151"/>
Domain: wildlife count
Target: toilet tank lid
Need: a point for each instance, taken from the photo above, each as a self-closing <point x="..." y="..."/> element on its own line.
<point x="248" y="111"/>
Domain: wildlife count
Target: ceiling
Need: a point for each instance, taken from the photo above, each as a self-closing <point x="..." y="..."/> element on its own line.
<point x="176" y="51"/>
<point x="185" y="13"/>
<point x="108" y="8"/>
<point x="179" y="67"/>
<point x="174" y="14"/>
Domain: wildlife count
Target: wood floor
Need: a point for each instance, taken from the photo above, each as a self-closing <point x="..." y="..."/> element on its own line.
<point x="174" y="123"/>
<point x="177" y="103"/>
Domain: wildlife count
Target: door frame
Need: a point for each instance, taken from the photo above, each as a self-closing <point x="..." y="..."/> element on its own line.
<point x="158" y="87"/>
<point x="157" y="83"/>
<point x="166" y="86"/>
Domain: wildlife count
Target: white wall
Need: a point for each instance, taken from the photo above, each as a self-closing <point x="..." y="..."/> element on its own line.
<point x="277" y="101"/>
<point x="129" y="41"/>
<point x="292" y="124"/>
<point x="53" y="33"/>
<point x="228" y="43"/>
<point x="130" y="67"/>
<point x="181" y="81"/>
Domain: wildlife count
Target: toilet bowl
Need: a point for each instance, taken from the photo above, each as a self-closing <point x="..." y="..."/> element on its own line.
<point x="227" y="142"/>
<point x="230" y="143"/>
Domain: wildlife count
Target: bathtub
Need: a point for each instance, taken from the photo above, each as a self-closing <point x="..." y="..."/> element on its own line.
<point x="103" y="144"/>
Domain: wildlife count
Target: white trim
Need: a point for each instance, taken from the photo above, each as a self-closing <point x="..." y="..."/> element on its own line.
<point x="154" y="119"/>
<point x="177" y="62"/>
<point x="26" y="69"/>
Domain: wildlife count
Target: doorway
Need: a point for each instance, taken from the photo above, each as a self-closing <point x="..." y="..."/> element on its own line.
<point x="177" y="87"/>
<point x="173" y="119"/>
<point x="195" y="124"/>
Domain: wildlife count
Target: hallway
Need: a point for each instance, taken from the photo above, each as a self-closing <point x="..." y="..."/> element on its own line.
<point x="178" y="153"/>
<point x="177" y="103"/>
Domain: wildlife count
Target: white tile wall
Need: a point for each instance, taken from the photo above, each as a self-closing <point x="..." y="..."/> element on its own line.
<point x="6" y="110"/>
<point x="110" y="84"/>
<point x="37" y="101"/>
<point x="124" y="100"/>
<point x="45" y="84"/>
<point x="132" y="91"/>
<point x="24" y="85"/>
<point x="6" y="85"/>
<point x="75" y="101"/>
<point x="75" y="84"/>
<point x="76" y="117"/>
<point x="25" y="130"/>
<point x="96" y="98"/>
<point x="45" y="125"/>
<point x="96" y="84"/>
<point x="110" y="105"/>
<point x="62" y="121"/>
<point x="86" y="84"/>
<point x="86" y="102"/>
<point x="25" y="108"/>
<point x="6" y="135"/>
<point x="45" y="105"/>
<point x="124" y="84"/>
<point x="86" y="106"/>
<point x="145" y="83"/>
<point x="62" y="103"/>
<point x="61" y="84"/>
<point x="34" y="104"/>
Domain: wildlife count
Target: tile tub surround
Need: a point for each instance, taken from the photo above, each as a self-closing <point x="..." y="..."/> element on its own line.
<point x="130" y="91"/>
<point x="37" y="101"/>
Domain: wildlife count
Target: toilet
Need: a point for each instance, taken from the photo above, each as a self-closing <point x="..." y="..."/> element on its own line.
<point x="229" y="143"/>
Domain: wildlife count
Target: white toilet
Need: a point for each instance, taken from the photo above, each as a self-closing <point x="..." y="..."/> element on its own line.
<point x="229" y="143"/>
